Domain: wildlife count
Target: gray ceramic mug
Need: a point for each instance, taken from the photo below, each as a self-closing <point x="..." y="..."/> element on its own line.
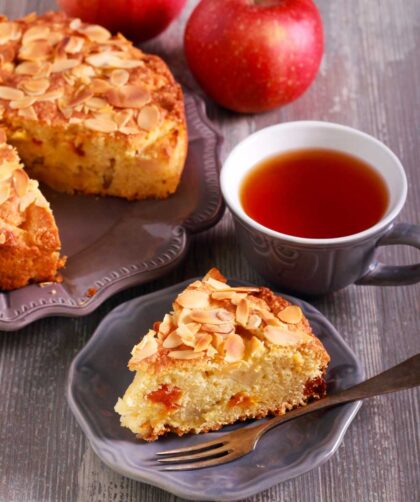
<point x="319" y="266"/>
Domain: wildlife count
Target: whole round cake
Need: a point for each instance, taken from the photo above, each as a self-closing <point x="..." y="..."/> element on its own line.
<point x="87" y="113"/>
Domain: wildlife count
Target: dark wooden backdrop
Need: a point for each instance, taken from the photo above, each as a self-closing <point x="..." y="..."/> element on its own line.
<point x="369" y="79"/>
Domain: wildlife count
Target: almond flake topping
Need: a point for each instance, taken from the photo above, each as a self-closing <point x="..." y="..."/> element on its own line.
<point x="9" y="31"/>
<point x="203" y="342"/>
<point x="281" y="336"/>
<point x="235" y="348"/>
<point x="192" y="299"/>
<point x="25" y="102"/>
<point x="37" y="50"/>
<point x="61" y="65"/>
<point x="96" y="33"/>
<point x="119" y="77"/>
<point x="172" y="341"/>
<point x="129" y="96"/>
<point x="148" y="117"/>
<point x="291" y="314"/>
<point x="35" y="33"/>
<point x="35" y="87"/>
<point x="146" y="348"/>
<point x="74" y="45"/>
<point x="242" y="312"/>
<point x="214" y="316"/>
<point x="101" y="124"/>
<point x="20" y="182"/>
<point x="10" y="93"/>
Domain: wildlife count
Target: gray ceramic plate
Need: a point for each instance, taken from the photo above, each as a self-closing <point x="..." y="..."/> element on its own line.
<point x="112" y="244"/>
<point x="99" y="374"/>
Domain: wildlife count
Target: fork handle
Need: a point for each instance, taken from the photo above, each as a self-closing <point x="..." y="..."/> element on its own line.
<point x="402" y="376"/>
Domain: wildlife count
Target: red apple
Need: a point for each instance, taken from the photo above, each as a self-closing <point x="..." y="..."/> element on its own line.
<point x="138" y="20"/>
<point x="254" y="55"/>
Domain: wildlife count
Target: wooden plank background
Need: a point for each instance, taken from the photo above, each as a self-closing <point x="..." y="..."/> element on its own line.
<point x="369" y="79"/>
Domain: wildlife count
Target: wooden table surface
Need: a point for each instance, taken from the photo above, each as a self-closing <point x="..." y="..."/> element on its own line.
<point x="369" y="79"/>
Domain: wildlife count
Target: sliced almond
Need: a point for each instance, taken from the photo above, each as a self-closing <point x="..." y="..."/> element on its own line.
<point x="146" y="348"/>
<point x="291" y="314"/>
<point x="28" y="113"/>
<point x="214" y="316"/>
<point x="51" y="95"/>
<point x="119" y="77"/>
<point x="218" y="328"/>
<point x="20" y="182"/>
<point x="10" y="93"/>
<point x="193" y="299"/>
<point x="172" y="341"/>
<point x="203" y="342"/>
<point x="84" y="72"/>
<point x="281" y="336"/>
<point x="39" y="32"/>
<point x="254" y="321"/>
<point x="34" y="51"/>
<point x="242" y="289"/>
<point x="35" y="87"/>
<point x="4" y="191"/>
<point x="96" y="103"/>
<point x="60" y="65"/>
<point x="242" y="312"/>
<point x="9" y="31"/>
<point x="75" y="23"/>
<point x="80" y="96"/>
<point x="28" y="68"/>
<point x="148" y="118"/>
<point x="96" y="33"/>
<point x="270" y="318"/>
<point x="215" y="284"/>
<point x="101" y="125"/>
<point x="74" y="45"/>
<point x="185" y="354"/>
<point x="234" y="348"/>
<point x="25" y="102"/>
<point x="26" y="201"/>
<point x="166" y="325"/>
<point x="129" y="96"/>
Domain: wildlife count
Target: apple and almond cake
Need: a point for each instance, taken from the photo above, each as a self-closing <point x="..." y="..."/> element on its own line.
<point x="223" y="354"/>
<point x="87" y="113"/>
<point x="29" y="241"/>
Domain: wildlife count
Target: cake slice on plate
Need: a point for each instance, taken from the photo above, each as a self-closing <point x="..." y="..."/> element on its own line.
<point x="223" y="354"/>
<point x="29" y="241"/>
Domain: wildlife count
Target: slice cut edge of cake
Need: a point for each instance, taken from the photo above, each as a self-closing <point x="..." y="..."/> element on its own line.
<point x="224" y="354"/>
<point x="29" y="241"/>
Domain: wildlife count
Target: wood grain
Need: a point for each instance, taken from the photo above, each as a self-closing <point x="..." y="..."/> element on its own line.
<point x="369" y="79"/>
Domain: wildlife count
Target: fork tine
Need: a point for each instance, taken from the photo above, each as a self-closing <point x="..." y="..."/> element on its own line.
<point x="195" y="456"/>
<point x="205" y="463"/>
<point x="197" y="447"/>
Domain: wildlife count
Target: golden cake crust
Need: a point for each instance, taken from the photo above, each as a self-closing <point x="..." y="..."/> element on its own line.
<point x="73" y="97"/>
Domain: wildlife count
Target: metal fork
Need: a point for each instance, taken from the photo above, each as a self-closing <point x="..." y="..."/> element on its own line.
<point x="242" y="441"/>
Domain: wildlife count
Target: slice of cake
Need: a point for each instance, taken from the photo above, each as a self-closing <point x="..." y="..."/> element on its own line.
<point x="29" y="241"/>
<point x="87" y="111"/>
<point x="224" y="354"/>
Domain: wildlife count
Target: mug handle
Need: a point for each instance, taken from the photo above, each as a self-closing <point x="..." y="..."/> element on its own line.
<point x="395" y="275"/>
